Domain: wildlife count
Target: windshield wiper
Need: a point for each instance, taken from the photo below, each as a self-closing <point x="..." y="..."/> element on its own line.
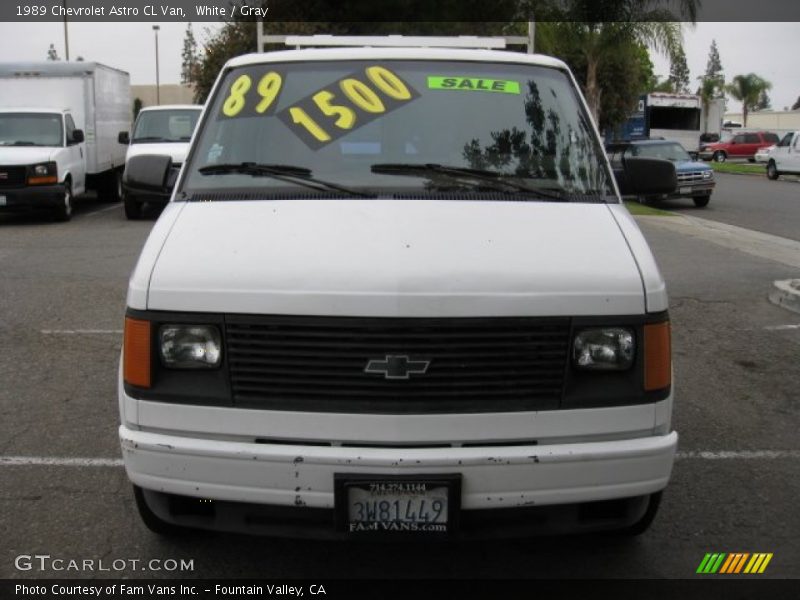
<point x="495" y="179"/>
<point x="149" y="138"/>
<point x="288" y="173"/>
<point x="22" y="143"/>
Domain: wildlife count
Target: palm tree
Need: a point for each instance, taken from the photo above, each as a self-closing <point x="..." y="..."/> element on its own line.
<point x="599" y="29"/>
<point x="707" y="92"/>
<point x="747" y="89"/>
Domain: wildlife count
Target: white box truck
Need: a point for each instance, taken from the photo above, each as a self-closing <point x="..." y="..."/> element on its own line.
<point x="59" y="123"/>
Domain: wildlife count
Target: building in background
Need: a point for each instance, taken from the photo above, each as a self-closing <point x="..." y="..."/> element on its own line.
<point x="171" y="93"/>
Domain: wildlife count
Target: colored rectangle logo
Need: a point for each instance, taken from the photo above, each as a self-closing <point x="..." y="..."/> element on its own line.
<point x="474" y="84"/>
<point x="734" y="563"/>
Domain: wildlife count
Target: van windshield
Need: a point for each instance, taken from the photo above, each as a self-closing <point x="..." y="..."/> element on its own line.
<point x="395" y="126"/>
<point x="165" y="126"/>
<point x="31" y="129"/>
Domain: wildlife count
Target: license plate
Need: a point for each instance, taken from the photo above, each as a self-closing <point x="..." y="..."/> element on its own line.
<point x="685" y="190"/>
<point x="397" y="505"/>
<point x="2" y="200"/>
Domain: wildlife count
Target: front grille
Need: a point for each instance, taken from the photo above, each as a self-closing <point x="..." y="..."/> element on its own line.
<point x="690" y="176"/>
<point x="475" y="365"/>
<point x="12" y="176"/>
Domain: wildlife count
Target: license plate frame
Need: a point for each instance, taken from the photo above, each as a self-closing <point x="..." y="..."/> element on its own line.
<point x="685" y="190"/>
<point x="3" y="200"/>
<point x="344" y="482"/>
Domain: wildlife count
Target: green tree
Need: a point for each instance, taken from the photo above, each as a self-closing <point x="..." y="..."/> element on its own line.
<point x="601" y="28"/>
<point x="190" y="59"/>
<point x="764" y="101"/>
<point x="714" y="67"/>
<point x="679" y="72"/>
<point x="707" y="92"/>
<point x="137" y="106"/>
<point x="747" y="89"/>
<point x="796" y="105"/>
<point x="52" y="53"/>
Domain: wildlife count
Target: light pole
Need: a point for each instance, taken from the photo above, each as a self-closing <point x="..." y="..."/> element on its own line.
<point x="158" y="86"/>
<point x="66" y="35"/>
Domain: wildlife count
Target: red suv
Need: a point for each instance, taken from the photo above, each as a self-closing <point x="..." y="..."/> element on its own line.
<point x="738" y="145"/>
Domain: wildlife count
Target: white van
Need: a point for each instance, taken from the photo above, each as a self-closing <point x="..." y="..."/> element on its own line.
<point x="164" y="130"/>
<point x="396" y="293"/>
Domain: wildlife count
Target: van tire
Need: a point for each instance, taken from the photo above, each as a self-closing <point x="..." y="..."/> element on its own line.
<point x="63" y="212"/>
<point x="719" y="156"/>
<point x="111" y="188"/>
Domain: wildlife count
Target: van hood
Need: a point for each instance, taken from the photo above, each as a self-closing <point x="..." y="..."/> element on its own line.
<point x="26" y="155"/>
<point x="394" y="258"/>
<point x="175" y="150"/>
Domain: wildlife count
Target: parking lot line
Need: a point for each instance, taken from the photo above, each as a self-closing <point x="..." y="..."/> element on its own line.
<point x="63" y="461"/>
<point x="81" y="331"/>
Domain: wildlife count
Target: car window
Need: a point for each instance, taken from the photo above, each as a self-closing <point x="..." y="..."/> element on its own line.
<point x="31" y="129"/>
<point x="752" y="138"/>
<point x="341" y="120"/>
<point x="786" y="141"/>
<point x="739" y="139"/>
<point x="669" y="151"/>
<point x="797" y="141"/>
<point x="772" y="138"/>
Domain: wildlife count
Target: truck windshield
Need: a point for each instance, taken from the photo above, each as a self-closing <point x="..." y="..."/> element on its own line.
<point x="31" y="129"/>
<point x="672" y="151"/>
<point x="165" y="126"/>
<point x="392" y="126"/>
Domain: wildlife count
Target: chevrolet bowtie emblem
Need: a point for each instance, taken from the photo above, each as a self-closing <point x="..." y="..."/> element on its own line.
<point x="396" y="366"/>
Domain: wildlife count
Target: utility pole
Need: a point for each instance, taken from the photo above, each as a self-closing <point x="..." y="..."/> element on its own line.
<point x="66" y="35"/>
<point x="158" y="83"/>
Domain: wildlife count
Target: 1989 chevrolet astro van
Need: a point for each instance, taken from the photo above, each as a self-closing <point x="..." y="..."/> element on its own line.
<point x="395" y="293"/>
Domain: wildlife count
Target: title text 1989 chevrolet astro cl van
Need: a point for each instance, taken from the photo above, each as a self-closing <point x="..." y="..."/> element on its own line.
<point x="396" y="294"/>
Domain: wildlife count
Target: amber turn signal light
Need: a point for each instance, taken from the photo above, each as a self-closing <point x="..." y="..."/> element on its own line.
<point x="657" y="356"/>
<point x="136" y="353"/>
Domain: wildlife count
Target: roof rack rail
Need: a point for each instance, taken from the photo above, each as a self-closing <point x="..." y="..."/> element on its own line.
<point x="397" y="41"/>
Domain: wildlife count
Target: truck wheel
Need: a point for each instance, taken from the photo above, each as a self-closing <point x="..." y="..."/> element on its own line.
<point x="111" y="190"/>
<point x="701" y="201"/>
<point x="772" y="170"/>
<point x="63" y="212"/>
<point x="719" y="156"/>
<point x="151" y="520"/>
<point x="133" y="208"/>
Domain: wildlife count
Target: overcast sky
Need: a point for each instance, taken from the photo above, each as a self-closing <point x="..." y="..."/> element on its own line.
<point x="768" y="49"/>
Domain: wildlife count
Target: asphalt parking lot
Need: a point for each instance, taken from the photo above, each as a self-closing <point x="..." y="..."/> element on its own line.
<point x="734" y="488"/>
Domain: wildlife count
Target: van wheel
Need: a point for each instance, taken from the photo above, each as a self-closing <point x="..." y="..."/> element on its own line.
<point x="719" y="156"/>
<point x="111" y="191"/>
<point x="63" y="212"/>
<point x="701" y="201"/>
<point x="133" y="208"/>
<point x="151" y="520"/>
<point x="647" y="519"/>
<point x="772" y="170"/>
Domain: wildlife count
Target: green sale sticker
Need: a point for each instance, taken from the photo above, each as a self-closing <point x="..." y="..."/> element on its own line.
<point x="477" y="84"/>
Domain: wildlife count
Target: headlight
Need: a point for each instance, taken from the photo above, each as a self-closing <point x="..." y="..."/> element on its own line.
<point x="604" y="349"/>
<point x="190" y="346"/>
<point x="708" y="174"/>
<point x="42" y="174"/>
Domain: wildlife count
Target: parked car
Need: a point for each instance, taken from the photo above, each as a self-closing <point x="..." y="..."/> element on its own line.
<point x="159" y="130"/>
<point x="785" y="157"/>
<point x="396" y="293"/>
<point x="695" y="179"/>
<point x="738" y="145"/>
<point x="762" y="156"/>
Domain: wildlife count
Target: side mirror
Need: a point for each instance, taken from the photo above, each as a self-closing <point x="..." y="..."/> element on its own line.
<point x="77" y="136"/>
<point x="646" y="176"/>
<point x="150" y="173"/>
<point x="124" y="138"/>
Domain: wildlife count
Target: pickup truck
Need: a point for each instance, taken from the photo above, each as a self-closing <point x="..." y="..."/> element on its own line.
<point x="396" y="294"/>
<point x="784" y="158"/>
